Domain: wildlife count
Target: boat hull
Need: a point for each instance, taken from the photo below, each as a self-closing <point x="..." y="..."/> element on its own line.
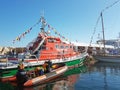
<point x="47" y="77"/>
<point x="10" y="78"/>
<point x="9" y="74"/>
<point x="115" y="59"/>
<point x="10" y="71"/>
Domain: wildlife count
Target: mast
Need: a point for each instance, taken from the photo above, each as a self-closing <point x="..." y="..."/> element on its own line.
<point x="43" y="24"/>
<point x="103" y="32"/>
<point x="43" y="32"/>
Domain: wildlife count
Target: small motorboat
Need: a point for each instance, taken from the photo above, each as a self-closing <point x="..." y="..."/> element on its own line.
<point x="34" y="79"/>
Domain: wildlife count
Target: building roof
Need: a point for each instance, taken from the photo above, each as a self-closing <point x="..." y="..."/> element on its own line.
<point x="92" y="45"/>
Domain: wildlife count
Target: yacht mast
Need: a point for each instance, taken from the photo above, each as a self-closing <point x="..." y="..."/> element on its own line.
<point x="103" y="33"/>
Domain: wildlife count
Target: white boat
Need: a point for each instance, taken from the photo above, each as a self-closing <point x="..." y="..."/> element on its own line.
<point x="106" y="57"/>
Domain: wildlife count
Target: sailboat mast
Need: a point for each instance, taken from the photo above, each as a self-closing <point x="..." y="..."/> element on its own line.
<point x="103" y="32"/>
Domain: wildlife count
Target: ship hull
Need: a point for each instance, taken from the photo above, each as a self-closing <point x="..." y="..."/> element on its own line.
<point x="10" y="71"/>
<point x="110" y="58"/>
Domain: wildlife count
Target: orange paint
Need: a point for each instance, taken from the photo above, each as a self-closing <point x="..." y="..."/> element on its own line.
<point x="28" y="83"/>
<point x="54" y="48"/>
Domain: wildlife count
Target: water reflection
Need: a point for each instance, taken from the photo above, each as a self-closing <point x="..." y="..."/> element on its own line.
<point x="111" y="68"/>
<point x="111" y="73"/>
<point x="102" y="76"/>
<point x="65" y="82"/>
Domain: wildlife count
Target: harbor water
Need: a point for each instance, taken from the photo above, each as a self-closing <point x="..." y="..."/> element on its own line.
<point x="101" y="76"/>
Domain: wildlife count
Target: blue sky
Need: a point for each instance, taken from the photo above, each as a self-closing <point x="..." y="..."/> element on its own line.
<point x="74" y="19"/>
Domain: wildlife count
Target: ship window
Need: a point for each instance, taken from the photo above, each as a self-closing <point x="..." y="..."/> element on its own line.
<point x="44" y="47"/>
<point x="51" y="40"/>
<point x="47" y="48"/>
<point x="56" y="46"/>
<point x="32" y="57"/>
<point x="70" y="46"/>
<point x="62" y="47"/>
<point x="66" y="47"/>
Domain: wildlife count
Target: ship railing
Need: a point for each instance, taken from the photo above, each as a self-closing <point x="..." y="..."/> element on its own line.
<point x="6" y="63"/>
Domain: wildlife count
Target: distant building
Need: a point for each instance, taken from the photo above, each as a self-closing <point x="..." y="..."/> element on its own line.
<point x="112" y="42"/>
<point x="11" y="50"/>
<point x="91" y="49"/>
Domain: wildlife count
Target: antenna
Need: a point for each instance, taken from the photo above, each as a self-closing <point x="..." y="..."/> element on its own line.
<point x="43" y="21"/>
<point x="42" y="13"/>
<point x="119" y="35"/>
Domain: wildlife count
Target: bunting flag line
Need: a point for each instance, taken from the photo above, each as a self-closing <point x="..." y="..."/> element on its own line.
<point x="26" y="32"/>
<point x="44" y="23"/>
<point x="57" y="33"/>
